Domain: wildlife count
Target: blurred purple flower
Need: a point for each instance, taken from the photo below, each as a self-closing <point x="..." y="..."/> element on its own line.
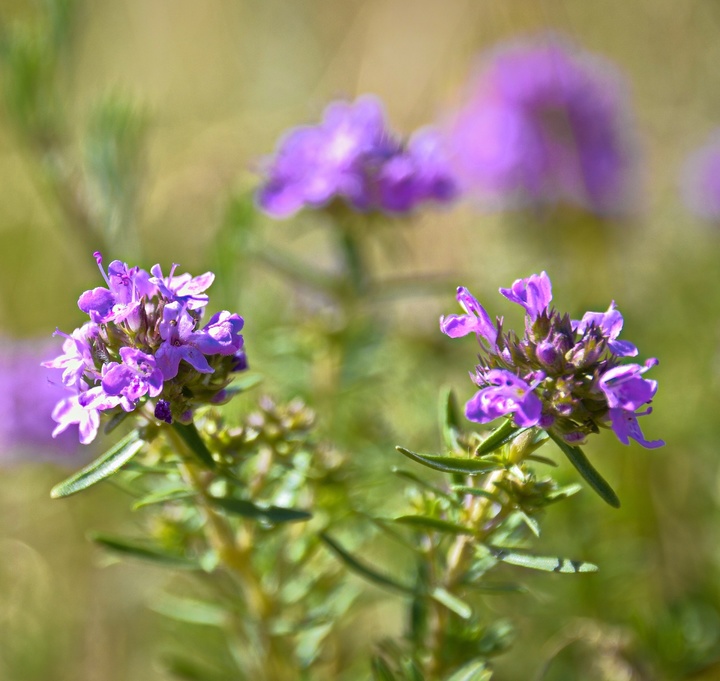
<point x="27" y="400"/>
<point x="700" y="181"/>
<point x="544" y="122"/>
<point x="353" y="155"/>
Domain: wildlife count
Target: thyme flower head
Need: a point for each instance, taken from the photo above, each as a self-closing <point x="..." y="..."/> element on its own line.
<point x="353" y="156"/>
<point x="145" y="344"/>
<point x="566" y="376"/>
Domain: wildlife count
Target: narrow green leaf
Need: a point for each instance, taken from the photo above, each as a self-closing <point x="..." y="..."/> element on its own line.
<point x="429" y="523"/>
<point x="101" y="468"/>
<point x="452" y="602"/>
<point x="490" y="588"/>
<point x="190" y="610"/>
<point x="476" y="492"/>
<point x="450" y="421"/>
<point x="542" y="459"/>
<point x="585" y="468"/>
<point x="545" y="563"/>
<point x="271" y="514"/>
<point x="451" y="464"/>
<point x="504" y="433"/>
<point x="175" y="494"/>
<point x="564" y="492"/>
<point x="532" y="524"/>
<point x="192" y="439"/>
<point x="364" y="570"/>
<point x="143" y="550"/>
<point x="423" y="483"/>
<point x="473" y="671"/>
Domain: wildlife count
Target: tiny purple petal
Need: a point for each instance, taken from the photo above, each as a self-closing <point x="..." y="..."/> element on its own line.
<point x="477" y="320"/>
<point x="625" y="426"/>
<point x="505" y="394"/>
<point x="162" y="411"/>
<point x="625" y="389"/>
<point x="533" y="293"/>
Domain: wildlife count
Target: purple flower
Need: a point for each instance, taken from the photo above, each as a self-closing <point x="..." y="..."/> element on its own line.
<point x="181" y="342"/>
<point x="420" y="173"/>
<point x="352" y="155"/>
<point x="611" y="324"/>
<point x="137" y="376"/>
<point x="700" y="181"/>
<point x="121" y="299"/>
<point x="544" y="122"/>
<point x="316" y="164"/>
<point x="625" y="389"/>
<point x="625" y="425"/>
<point x="476" y="320"/>
<point x="70" y="411"/>
<point x="533" y="293"/>
<point x="184" y="288"/>
<point x="142" y="328"/>
<point x="563" y="376"/>
<point x="77" y="360"/>
<point x="27" y="399"/>
<point x="504" y="394"/>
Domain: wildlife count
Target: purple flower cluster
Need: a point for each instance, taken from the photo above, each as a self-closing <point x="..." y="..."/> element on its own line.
<point x="562" y="375"/>
<point x="353" y="156"/>
<point x="544" y="123"/>
<point x="145" y="342"/>
<point x="27" y="399"/>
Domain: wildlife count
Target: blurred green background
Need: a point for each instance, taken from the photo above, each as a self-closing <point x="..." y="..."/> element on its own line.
<point x="217" y="83"/>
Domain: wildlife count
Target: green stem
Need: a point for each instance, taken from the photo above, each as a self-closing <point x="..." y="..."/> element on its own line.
<point x="234" y="552"/>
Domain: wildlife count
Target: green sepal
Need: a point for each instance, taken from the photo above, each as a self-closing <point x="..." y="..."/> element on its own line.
<point x="270" y="514"/>
<point x="500" y="436"/>
<point x="452" y="464"/>
<point x="452" y="602"/>
<point x="477" y="670"/>
<point x="450" y="423"/>
<point x="143" y="550"/>
<point x="110" y="462"/>
<point x="545" y="563"/>
<point x="430" y="523"/>
<point x="364" y="570"/>
<point x="175" y="494"/>
<point x="587" y="471"/>
<point x="191" y="437"/>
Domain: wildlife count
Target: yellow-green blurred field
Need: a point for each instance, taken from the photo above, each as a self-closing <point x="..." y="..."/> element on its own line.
<point x="219" y="81"/>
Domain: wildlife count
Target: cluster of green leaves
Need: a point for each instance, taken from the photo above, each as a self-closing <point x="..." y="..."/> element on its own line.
<point x="242" y="510"/>
<point x="482" y="513"/>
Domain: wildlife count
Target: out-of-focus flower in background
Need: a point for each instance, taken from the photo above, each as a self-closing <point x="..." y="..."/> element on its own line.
<point x="27" y="399"/>
<point x="544" y="122"/>
<point x="352" y="155"/>
<point x="700" y="179"/>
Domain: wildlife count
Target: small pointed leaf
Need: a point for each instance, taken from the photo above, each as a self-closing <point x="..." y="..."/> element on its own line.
<point x="175" y="494"/>
<point x="195" y="443"/>
<point x="102" y="467"/>
<point x="450" y="421"/>
<point x="430" y="523"/>
<point x="504" y="433"/>
<point x="545" y="563"/>
<point x="143" y="550"/>
<point x="364" y="570"/>
<point x="587" y="471"/>
<point x="451" y="464"/>
<point x="452" y="602"/>
<point x="271" y="514"/>
<point x="381" y="671"/>
<point x="190" y="610"/>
